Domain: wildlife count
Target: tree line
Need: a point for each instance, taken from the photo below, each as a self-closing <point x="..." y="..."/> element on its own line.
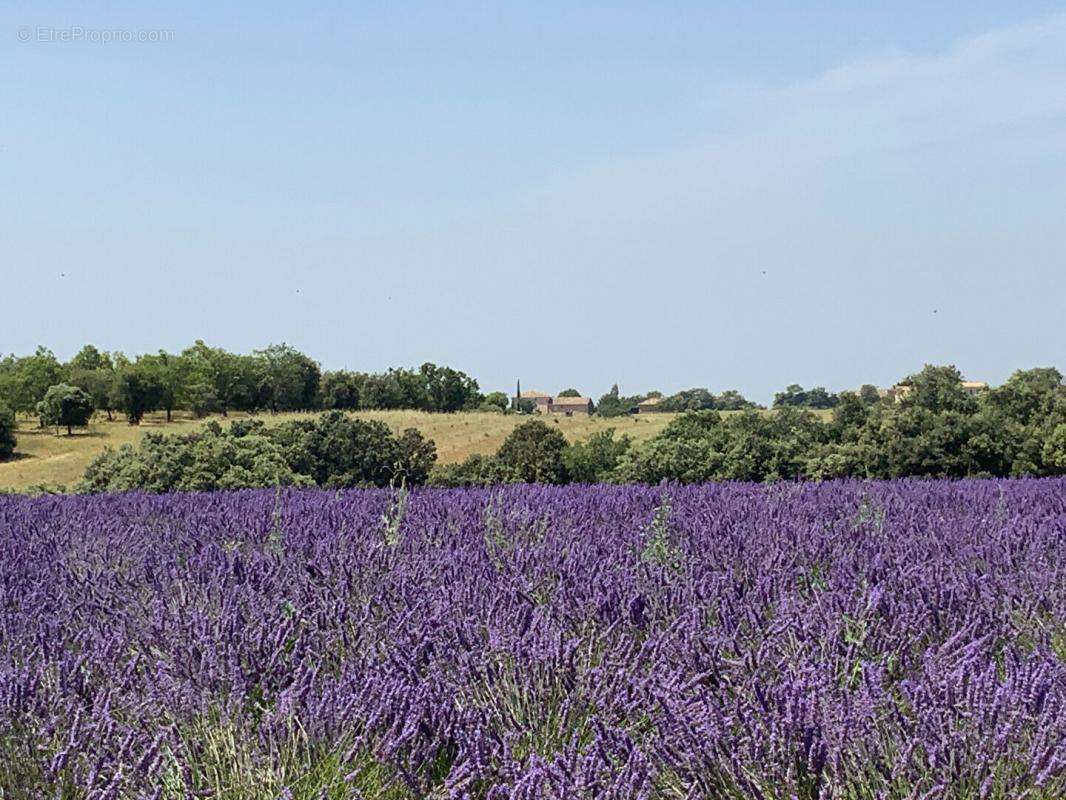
<point x="206" y="380"/>
<point x="937" y="430"/>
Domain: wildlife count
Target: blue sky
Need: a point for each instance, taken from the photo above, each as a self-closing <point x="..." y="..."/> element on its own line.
<point x="663" y="195"/>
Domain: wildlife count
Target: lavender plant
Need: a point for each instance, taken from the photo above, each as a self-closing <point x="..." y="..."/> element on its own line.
<point x="844" y="641"/>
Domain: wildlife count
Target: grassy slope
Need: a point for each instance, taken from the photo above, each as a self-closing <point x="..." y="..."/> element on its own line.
<point x="43" y="457"/>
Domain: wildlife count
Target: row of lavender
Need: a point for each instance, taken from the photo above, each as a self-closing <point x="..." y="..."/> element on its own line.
<point x="841" y="640"/>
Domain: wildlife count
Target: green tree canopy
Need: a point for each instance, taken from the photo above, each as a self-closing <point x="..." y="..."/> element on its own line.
<point x="65" y="406"/>
<point x="533" y="453"/>
<point x="288" y="379"/>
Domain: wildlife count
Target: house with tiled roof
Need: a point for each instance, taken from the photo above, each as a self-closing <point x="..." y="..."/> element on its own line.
<point x="570" y="405"/>
<point x="649" y="405"/>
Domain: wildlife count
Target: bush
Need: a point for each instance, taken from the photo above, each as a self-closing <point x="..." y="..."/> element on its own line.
<point x="65" y="406"/>
<point x="477" y="470"/>
<point x="533" y="453"/>
<point x="7" y="432"/>
<point x="595" y="459"/>
<point x="237" y="458"/>
<point x="499" y="400"/>
<point x="339" y="451"/>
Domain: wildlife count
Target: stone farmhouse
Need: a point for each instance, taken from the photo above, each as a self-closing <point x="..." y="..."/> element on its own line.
<point x="549" y="404"/>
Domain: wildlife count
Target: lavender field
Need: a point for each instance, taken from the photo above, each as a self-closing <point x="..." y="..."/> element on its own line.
<point x="839" y="640"/>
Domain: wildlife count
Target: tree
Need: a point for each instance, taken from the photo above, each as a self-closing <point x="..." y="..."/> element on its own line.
<point x="533" y="453"/>
<point x="91" y="359"/>
<point x="569" y="393"/>
<point x="167" y="374"/>
<point x="1028" y="395"/>
<point x="340" y="390"/>
<point x="414" y="459"/>
<point x="937" y="389"/>
<point x="7" y="432"/>
<point x="288" y="380"/>
<point x="1054" y="451"/>
<point x="339" y="451"/>
<point x="687" y="450"/>
<point x="100" y="384"/>
<point x="139" y="391"/>
<point x="30" y="377"/>
<point x="732" y="400"/>
<point x="798" y="397"/>
<point x="448" y="389"/>
<point x="220" y="380"/>
<point x="614" y="405"/>
<point x="595" y="459"/>
<point x="700" y="399"/>
<point x="869" y="394"/>
<point x="65" y="405"/>
<point x="696" y="399"/>
<point x="498" y="400"/>
<point x="200" y="398"/>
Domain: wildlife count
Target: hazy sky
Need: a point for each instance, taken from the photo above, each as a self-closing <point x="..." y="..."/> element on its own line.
<point x="659" y="194"/>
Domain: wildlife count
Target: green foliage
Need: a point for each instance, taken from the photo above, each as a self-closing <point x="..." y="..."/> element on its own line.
<point x="24" y="381"/>
<point x="339" y="451"/>
<point x="217" y="380"/>
<point x="699" y="399"/>
<point x="332" y="450"/>
<point x="7" y="432"/>
<point x="139" y="389"/>
<point x="476" y="470"/>
<point x="937" y="431"/>
<point x="341" y="390"/>
<point x="569" y="393"/>
<point x="613" y="404"/>
<point x="533" y="453"/>
<point x="594" y="460"/>
<point x="796" y="396"/>
<point x="869" y="394"/>
<point x="1054" y="450"/>
<point x="287" y="380"/>
<point x="236" y="458"/>
<point x="448" y="389"/>
<point x="499" y="399"/>
<point x="65" y="406"/>
<point x="938" y="389"/>
<point x="91" y="360"/>
<point x="100" y="384"/>
<point x="659" y="547"/>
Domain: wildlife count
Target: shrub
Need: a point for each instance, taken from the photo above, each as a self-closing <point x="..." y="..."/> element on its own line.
<point x="338" y="451"/>
<point x="594" y="460"/>
<point x="235" y="458"/>
<point x="533" y="453"/>
<point x="498" y="399"/>
<point x="476" y="470"/>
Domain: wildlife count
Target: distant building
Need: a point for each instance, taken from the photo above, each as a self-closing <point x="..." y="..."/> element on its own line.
<point x="901" y="390"/>
<point x="649" y="405"/>
<point x="541" y="402"/>
<point x="570" y="405"/>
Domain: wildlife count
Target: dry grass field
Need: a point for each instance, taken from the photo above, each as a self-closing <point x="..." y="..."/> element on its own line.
<point x="42" y="457"/>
